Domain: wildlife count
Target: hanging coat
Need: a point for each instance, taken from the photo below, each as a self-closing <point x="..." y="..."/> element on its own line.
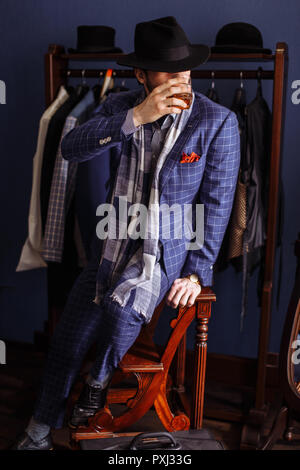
<point x="213" y="95"/>
<point x="244" y="241"/>
<point x="255" y="175"/>
<point x="232" y="245"/>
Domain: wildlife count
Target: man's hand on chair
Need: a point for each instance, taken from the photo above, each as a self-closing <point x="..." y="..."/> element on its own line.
<point x="183" y="293"/>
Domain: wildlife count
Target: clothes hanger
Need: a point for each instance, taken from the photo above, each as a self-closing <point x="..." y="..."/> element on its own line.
<point x="106" y="84"/>
<point x="97" y="87"/>
<point x="241" y="77"/>
<point x="239" y="99"/>
<point x="82" y="88"/>
<point x="117" y="88"/>
<point x="212" y="93"/>
<point x="259" y="83"/>
<point x="69" y="88"/>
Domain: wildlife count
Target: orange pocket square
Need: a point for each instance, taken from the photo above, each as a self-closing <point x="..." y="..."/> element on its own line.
<point x="189" y="158"/>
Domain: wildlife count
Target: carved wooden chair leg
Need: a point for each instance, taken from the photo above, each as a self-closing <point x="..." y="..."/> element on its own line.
<point x="179" y="325"/>
<point x="179" y="386"/>
<point x="179" y="383"/>
<point x="171" y="422"/>
<point x="202" y="317"/>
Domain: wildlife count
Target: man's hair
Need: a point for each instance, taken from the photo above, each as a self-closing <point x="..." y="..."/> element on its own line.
<point x="146" y="73"/>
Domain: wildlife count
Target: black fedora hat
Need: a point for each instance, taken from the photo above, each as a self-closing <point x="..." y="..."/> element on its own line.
<point x="161" y="45"/>
<point x="239" y="38"/>
<point x="95" y="39"/>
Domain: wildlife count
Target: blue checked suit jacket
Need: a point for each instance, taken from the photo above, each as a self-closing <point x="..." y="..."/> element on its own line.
<point x="212" y="133"/>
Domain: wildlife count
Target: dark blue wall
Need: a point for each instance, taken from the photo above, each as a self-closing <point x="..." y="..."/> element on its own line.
<point x="27" y="27"/>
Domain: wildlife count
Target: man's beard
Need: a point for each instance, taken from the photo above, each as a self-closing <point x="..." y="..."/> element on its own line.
<point x="148" y="85"/>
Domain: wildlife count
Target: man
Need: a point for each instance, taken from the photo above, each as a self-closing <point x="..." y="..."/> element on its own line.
<point x="156" y="135"/>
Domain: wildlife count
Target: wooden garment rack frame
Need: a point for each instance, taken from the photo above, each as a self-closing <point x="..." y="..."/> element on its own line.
<point x="57" y="71"/>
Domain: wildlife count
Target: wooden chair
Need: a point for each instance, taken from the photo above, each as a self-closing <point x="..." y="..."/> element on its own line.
<point x="151" y="371"/>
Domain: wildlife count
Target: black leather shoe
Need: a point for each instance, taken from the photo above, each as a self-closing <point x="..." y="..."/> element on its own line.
<point x="91" y="400"/>
<point x="26" y="443"/>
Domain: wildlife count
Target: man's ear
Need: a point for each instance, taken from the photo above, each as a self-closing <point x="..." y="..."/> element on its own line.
<point x="140" y="76"/>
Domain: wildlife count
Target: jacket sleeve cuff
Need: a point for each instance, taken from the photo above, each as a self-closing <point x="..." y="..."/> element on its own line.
<point x="205" y="275"/>
<point x="128" y="126"/>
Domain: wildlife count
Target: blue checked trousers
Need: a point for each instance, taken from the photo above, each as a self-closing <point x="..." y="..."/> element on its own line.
<point x="112" y="327"/>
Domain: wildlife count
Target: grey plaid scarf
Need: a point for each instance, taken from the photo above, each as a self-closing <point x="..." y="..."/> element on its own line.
<point x="134" y="262"/>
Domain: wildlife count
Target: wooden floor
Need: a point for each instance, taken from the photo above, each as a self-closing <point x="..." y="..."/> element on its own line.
<point x="19" y="380"/>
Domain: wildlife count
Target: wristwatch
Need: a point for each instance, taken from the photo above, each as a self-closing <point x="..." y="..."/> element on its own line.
<point x="194" y="278"/>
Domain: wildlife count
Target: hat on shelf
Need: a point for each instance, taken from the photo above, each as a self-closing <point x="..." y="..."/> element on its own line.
<point x="162" y="45"/>
<point x="239" y="38"/>
<point x="95" y="39"/>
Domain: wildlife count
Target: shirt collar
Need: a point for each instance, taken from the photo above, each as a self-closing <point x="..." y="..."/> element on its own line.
<point x="164" y="122"/>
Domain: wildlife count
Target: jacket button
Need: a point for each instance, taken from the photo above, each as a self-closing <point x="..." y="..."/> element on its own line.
<point x="108" y="139"/>
<point x="101" y="142"/>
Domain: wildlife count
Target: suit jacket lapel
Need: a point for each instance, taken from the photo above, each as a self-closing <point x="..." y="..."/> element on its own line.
<point x="176" y="151"/>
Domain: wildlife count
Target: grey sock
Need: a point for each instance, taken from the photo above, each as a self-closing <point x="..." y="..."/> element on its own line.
<point x="37" y="430"/>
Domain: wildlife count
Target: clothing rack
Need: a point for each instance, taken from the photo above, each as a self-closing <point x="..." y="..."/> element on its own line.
<point x="57" y="71"/>
<point x="96" y="73"/>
